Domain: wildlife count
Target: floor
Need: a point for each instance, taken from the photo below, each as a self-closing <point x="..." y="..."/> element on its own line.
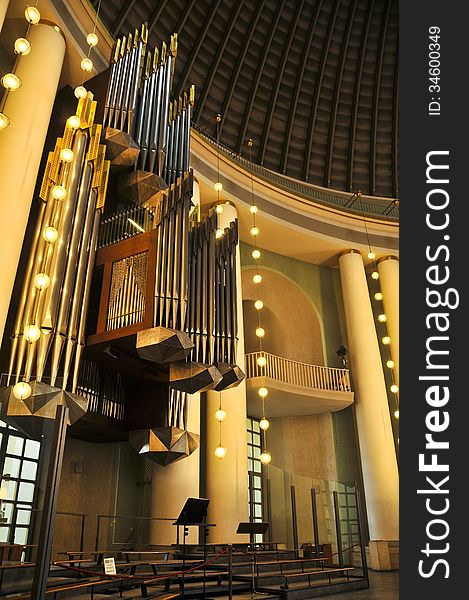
<point x="383" y="586"/>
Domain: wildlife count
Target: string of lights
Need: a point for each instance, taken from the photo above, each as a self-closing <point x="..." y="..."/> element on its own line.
<point x="86" y="62"/>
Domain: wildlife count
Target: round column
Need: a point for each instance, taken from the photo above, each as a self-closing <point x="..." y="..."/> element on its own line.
<point x="388" y="269"/>
<point x="3" y="10"/>
<point x="172" y="485"/>
<point x="227" y="478"/>
<point x="21" y="145"/>
<point x="378" y="456"/>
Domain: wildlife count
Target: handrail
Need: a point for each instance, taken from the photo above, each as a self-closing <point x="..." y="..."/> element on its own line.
<point x="298" y="373"/>
<point x="387" y="208"/>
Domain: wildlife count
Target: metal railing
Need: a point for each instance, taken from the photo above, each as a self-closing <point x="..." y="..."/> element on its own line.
<point x="297" y="373"/>
<point x="367" y="205"/>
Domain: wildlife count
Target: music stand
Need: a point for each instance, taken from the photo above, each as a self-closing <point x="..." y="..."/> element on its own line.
<point x="252" y="529"/>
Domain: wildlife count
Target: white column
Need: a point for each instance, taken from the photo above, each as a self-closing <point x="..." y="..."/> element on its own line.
<point x="21" y="145"/>
<point x="3" y="10"/>
<point x="378" y="456"/>
<point x="388" y="269"/>
<point x="227" y="478"/>
<point x="172" y="485"/>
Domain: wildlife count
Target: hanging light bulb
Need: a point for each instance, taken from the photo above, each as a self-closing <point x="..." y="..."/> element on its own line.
<point x="253" y="209"/>
<point x="257" y="278"/>
<point x="31" y="333"/>
<point x="386" y="340"/>
<point x="22" y="390"/>
<point x="394" y="388"/>
<point x="218" y="186"/>
<point x="256" y="254"/>
<point x="42" y="281"/>
<point x="371" y="255"/>
<point x="378" y="296"/>
<point x="220" y="415"/>
<point x="32" y="15"/>
<point x="264" y="424"/>
<point x="382" y="318"/>
<point x="263" y="392"/>
<point x="219" y="209"/>
<point x="4" y="120"/>
<point x="396" y="414"/>
<point x="80" y="91"/>
<point x="73" y="122"/>
<point x="86" y="64"/>
<point x="50" y="234"/>
<point x="22" y="46"/>
<point x="265" y="457"/>
<point x="260" y="332"/>
<point x="11" y="82"/>
<point x="258" y="304"/>
<point x="220" y="451"/>
<point x="66" y="155"/>
<point x="375" y="275"/>
<point x="219" y="233"/>
<point x="59" y="192"/>
<point x="92" y="39"/>
<point x="261" y="361"/>
<point x="390" y="364"/>
<point x="254" y="231"/>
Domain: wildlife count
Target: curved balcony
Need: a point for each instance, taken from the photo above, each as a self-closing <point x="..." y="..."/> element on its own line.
<point x="296" y="388"/>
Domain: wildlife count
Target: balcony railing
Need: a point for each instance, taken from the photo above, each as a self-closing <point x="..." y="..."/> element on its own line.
<point x="297" y="373"/>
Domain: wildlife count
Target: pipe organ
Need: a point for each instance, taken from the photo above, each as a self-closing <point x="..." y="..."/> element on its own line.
<point x="138" y="309"/>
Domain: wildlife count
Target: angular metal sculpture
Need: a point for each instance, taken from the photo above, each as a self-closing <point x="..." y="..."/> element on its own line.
<point x="162" y="345"/>
<point x="193" y="377"/>
<point x="27" y="415"/>
<point x="232" y="377"/>
<point x="120" y="148"/>
<point x="164" y="445"/>
<point x="144" y="188"/>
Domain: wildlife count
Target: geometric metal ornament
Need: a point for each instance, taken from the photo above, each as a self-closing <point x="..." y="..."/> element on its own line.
<point x="193" y="377"/>
<point x="163" y="345"/>
<point x="27" y="415"/>
<point x="232" y="377"/>
<point x="144" y="188"/>
<point x="164" y="445"/>
<point x="121" y="149"/>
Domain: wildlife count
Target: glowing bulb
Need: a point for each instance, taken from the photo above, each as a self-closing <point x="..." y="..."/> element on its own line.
<point x="219" y="209"/>
<point x="66" y="155"/>
<point x="86" y="64"/>
<point x="80" y="91"/>
<point x="375" y="275"/>
<point x="258" y="304"/>
<point x="32" y="333"/>
<point x="265" y="458"/>
<point x="219" y="233"/>
<point x="42" y="281"/>
<point x="4" y="120"/>
<point x="394" y="388"/>
<point x="263" y="392"/>
<point x="396" y="414"/>
<point x="257" y="278"/>
<point x="73" y="122"/>
<point x="50" y="234"/>
<point x="59" y="192"/>
<point x="22" y="390"/>
<point x="220" y="415"/>
<point x="11" y="82"/>
<point x="261" y="361"/>
<point x="386" y="340"/>
<point x="256" y="254"/>
<point x="260" y="332"/>
<point x="264" y="424"/>
<point x="378" y="296"/>
<point x="220" y="452"/>
<point x="254" y="231"/>
<point x="371" y="255"/>
<point x="382" y="318"/>
<point x="92" y="39"/>
<point x="253" y="209"/>
<point x="390" y="364"/>
<point x="32" y="15"/>
<point x="22" y="46"/>
<point x="218" y="186"/>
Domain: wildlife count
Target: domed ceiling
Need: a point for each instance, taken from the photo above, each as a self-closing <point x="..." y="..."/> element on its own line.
<point x="313" y="82"/>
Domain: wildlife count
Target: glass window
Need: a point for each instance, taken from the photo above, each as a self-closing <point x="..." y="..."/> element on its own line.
<point x="4" y="532"/>
<point x="32" y="449"/>
<point x="8" y="489"/>
<point x="23" y="517"/>
<point x="29" y="470"/>
<point x="15" y="445"/>
<point x="26" y="492"/>
<point x="21" y="535"/>
<point x="11" y="467"/>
